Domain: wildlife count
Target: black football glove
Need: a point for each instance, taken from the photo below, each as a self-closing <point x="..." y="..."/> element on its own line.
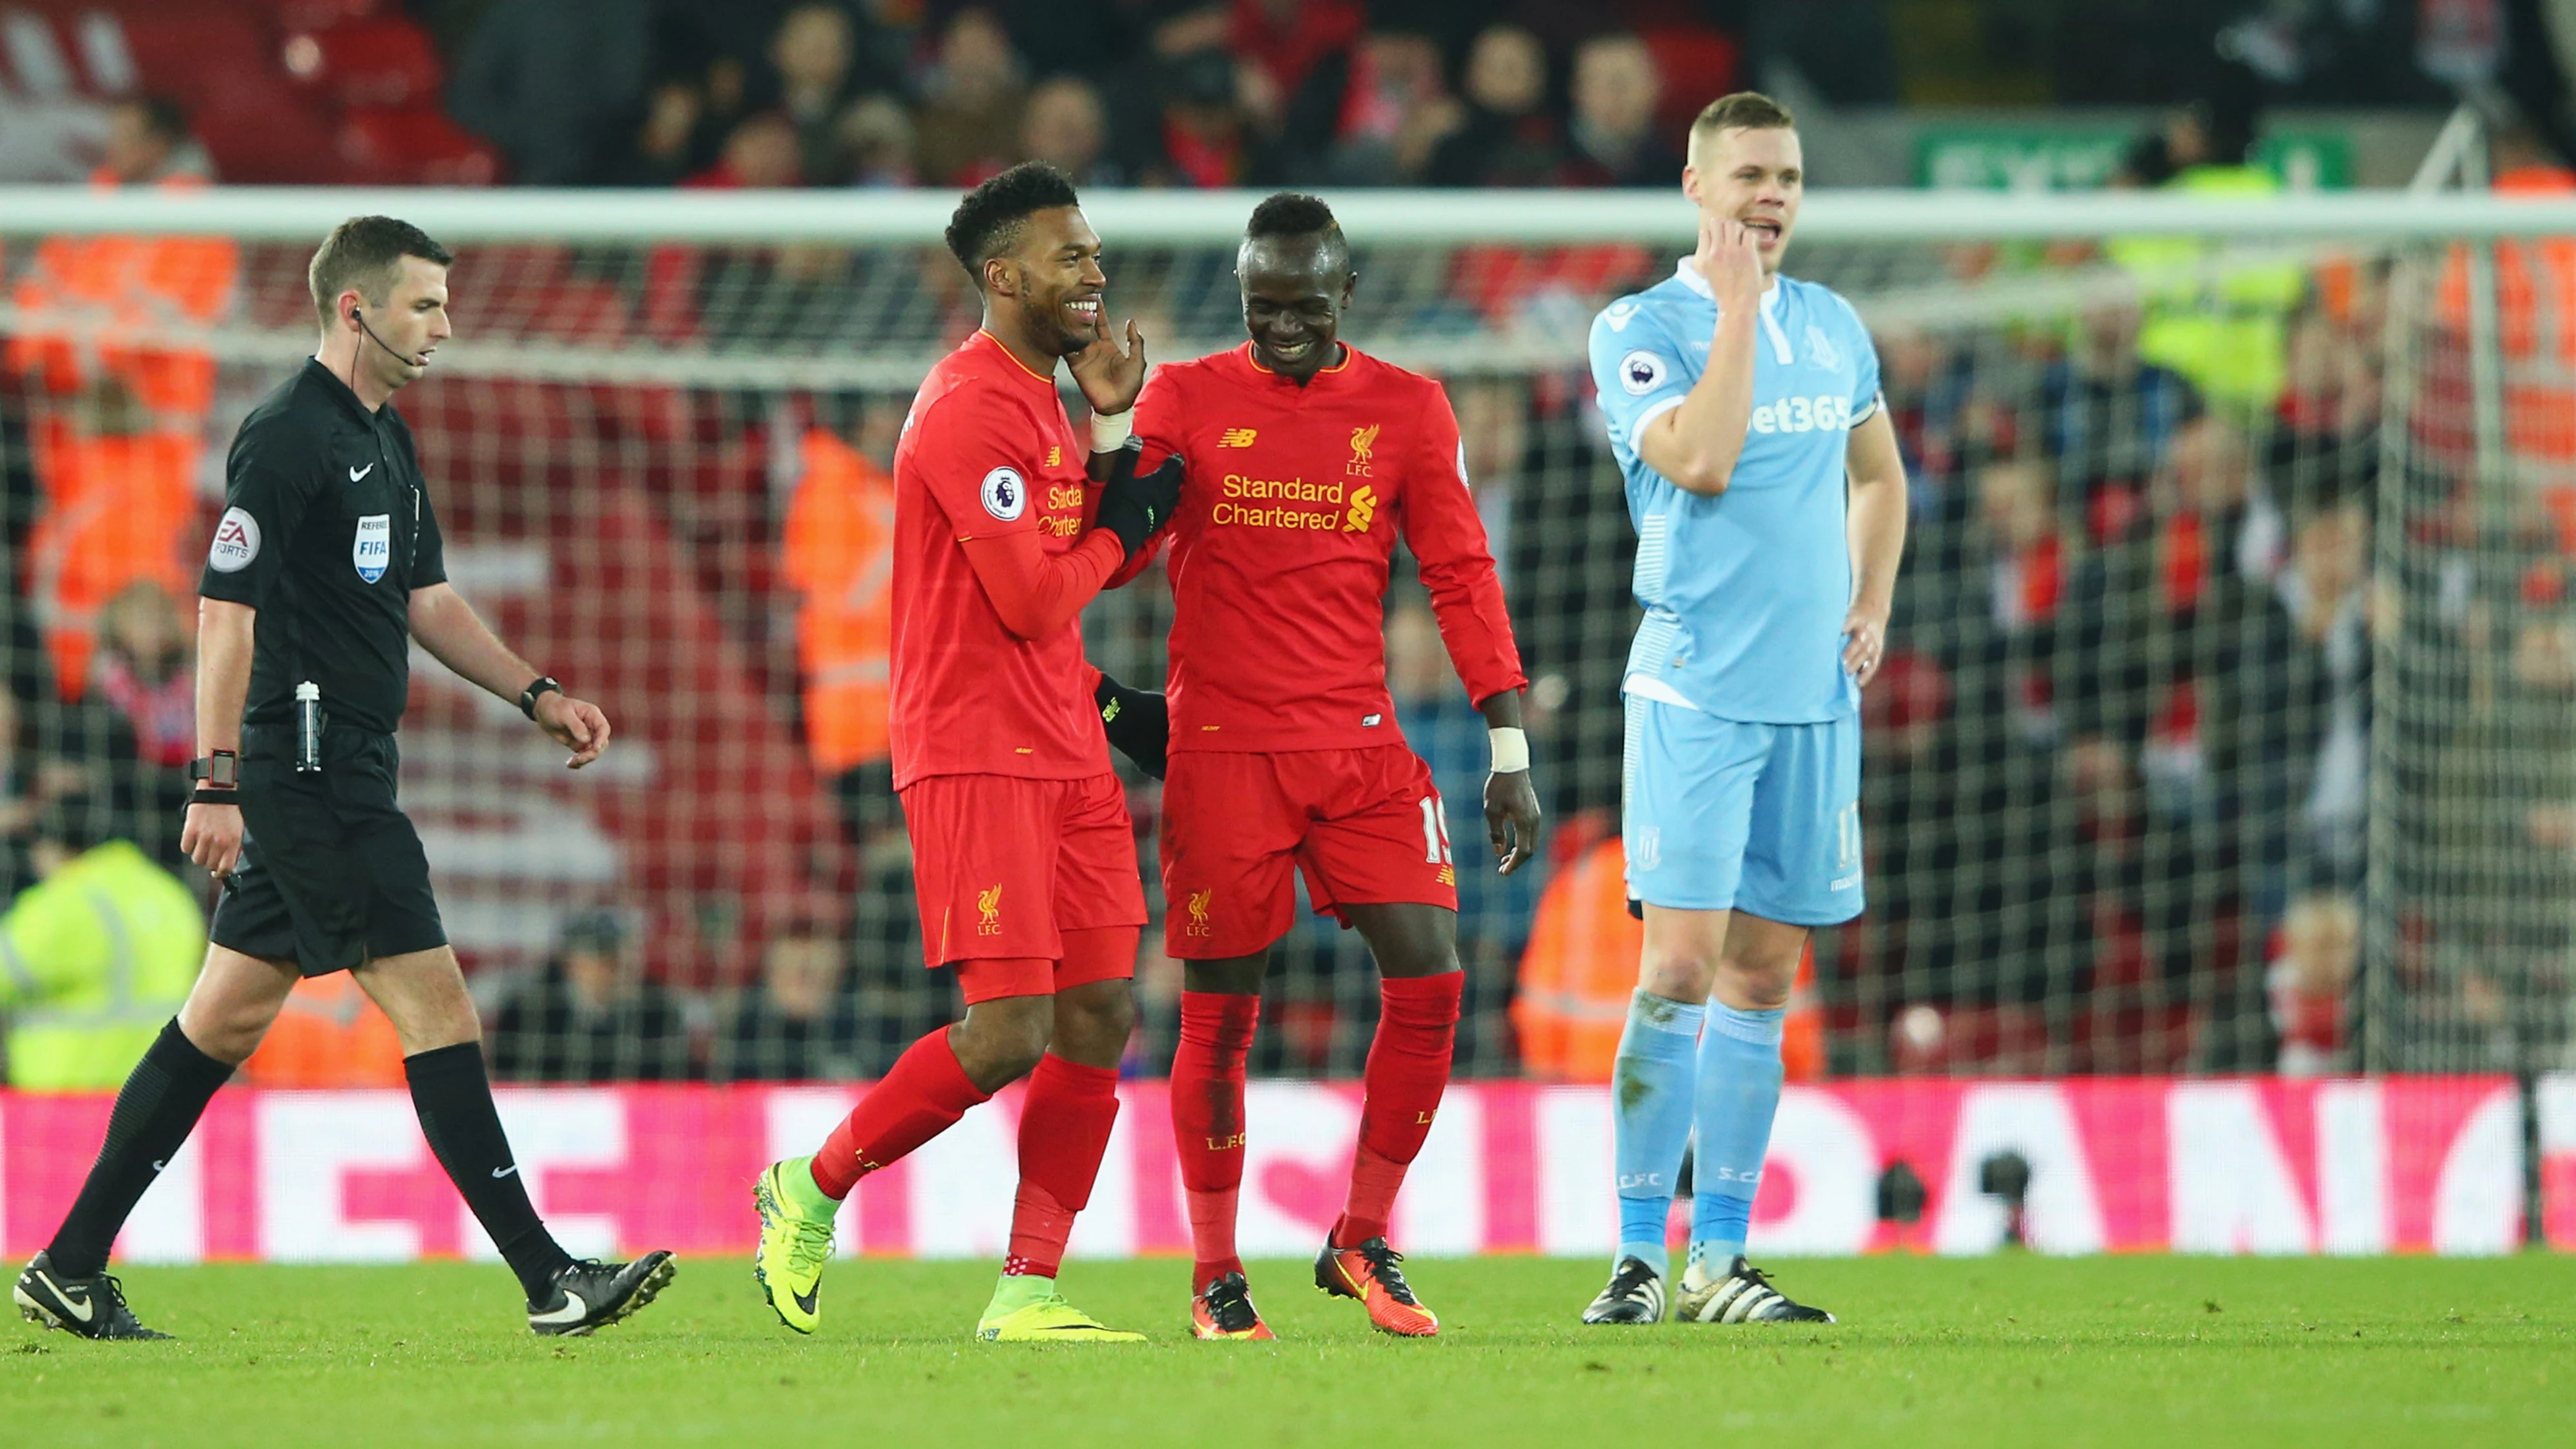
<point x="1136" y="721"/>
<point x="1132" y="507"/>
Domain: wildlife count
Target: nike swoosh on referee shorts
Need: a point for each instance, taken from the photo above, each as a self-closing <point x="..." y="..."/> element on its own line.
<point x="573" y="1311"/>
<point x="357" y="473"/>
<point x="81" y="1308"/>
<point x="501" y="1172"/>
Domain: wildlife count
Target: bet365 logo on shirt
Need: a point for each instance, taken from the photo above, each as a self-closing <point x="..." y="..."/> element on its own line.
<point x="1824" y="413"/>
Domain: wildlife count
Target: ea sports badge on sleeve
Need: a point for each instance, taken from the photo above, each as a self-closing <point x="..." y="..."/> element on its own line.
<point x="373" y="548"/>
<point x="236" y="542"/>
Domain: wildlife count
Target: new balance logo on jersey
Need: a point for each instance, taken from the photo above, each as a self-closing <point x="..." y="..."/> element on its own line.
<point x="1825" y="412"/>
<point x="1237" y="437"/>
<point x="1363" y="509"/>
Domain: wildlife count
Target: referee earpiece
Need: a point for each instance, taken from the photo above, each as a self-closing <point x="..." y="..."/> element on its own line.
<point x="359" y="316"/>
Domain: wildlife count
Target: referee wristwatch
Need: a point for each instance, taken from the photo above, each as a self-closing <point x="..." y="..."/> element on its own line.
<point x="217" y="777"/>
<point x="542" y="684"/>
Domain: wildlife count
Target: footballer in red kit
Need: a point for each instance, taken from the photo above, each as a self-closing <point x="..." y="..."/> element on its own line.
<point x="1023" y="858"/>
<point x="1306" y="461"/>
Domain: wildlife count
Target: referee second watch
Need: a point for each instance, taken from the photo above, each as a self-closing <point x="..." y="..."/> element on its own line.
<point x="542" y="684"/>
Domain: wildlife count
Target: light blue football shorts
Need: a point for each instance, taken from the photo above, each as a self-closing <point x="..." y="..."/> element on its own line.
<point x="1719" y="814"/>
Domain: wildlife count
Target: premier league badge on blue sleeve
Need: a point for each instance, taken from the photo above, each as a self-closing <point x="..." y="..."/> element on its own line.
<point x="374" y="546"/>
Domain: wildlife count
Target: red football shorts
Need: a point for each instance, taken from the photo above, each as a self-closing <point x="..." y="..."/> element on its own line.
<point x="1003" y="867"/>
<point x="1363" y="826"/>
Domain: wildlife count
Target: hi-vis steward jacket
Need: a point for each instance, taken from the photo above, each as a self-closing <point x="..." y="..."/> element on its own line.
<point x="93" y="959"/>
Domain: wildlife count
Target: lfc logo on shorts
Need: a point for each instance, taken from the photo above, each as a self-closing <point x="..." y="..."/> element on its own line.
<point x="1363" y="451"/>
<point x="990" y="903"/>
<point x="1198" y="902"/>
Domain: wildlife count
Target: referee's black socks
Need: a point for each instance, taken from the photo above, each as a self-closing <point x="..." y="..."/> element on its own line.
<point x="155" y="1111"/>
<point x="453" y="1095"/>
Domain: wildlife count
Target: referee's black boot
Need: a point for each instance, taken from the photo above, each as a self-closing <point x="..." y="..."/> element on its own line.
<point x="91" y="1307"/>
<point x="590" y="1294"/>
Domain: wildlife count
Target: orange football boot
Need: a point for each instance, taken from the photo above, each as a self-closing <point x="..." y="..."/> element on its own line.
<point x="1369" y="1273"/>
<point x="1223" y="1310"/>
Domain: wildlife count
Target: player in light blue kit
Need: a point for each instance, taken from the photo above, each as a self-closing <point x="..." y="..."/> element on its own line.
<point x="1769" y="500"/>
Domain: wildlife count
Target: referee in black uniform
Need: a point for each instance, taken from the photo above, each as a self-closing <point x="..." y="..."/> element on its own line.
<point x="326" y="563"/>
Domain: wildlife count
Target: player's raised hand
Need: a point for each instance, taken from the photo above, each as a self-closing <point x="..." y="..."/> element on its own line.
<point x="1864" y="643"/>
<point x="1110" y="377"/>
<point x="576" y="724"/>
<point x="1730" y="260"/>
<point x="1511" y="819"/>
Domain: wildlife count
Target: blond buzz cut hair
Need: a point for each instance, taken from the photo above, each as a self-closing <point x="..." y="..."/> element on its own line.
<point x="1741" y="111"/>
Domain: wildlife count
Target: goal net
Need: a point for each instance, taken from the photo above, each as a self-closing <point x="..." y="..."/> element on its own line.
<point x="2227" y="718"/>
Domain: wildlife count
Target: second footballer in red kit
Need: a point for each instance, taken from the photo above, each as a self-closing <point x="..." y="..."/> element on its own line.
<point x="1306" y="460"/>
<point x="1024" y="858"/>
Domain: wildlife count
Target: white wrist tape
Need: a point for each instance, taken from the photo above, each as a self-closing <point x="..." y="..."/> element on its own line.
<point x="1511" y="751"/>
<point x="1110" y="431"/>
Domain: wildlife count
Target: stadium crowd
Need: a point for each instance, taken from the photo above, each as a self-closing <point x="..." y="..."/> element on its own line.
<point x="2118" y="782"/>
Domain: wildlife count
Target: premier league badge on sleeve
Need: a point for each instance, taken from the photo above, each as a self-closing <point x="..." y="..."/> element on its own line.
<point x="374" y="546"/>
<point x="1641" y="372"/>
<point x="1006" y="494"/>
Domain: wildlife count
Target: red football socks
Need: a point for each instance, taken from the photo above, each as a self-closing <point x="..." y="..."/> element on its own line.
<point x="1408" y="1068"/>
<point x="1064" y="1130"/>
<point x="1207" y="1121"/>
<point x="922" y="1097"/>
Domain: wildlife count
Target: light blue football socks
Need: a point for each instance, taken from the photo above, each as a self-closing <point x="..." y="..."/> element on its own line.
<point x="1738" y="1095"/>
<point x="1651" y="1104"/>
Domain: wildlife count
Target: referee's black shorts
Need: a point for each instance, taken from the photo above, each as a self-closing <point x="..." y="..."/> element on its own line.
<point x="331" y="875"/>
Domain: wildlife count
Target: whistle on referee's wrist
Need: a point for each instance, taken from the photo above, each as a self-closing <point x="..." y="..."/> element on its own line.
<point x="308" y="728"/>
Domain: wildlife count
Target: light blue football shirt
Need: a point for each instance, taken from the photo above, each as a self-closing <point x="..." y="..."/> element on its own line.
<point x="1744" y="593"/>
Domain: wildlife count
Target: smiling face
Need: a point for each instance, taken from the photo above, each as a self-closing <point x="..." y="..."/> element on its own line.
<point x="1294" y="291"/>
<point x="1052" y="279"/>
<point x="1751" y="176"/>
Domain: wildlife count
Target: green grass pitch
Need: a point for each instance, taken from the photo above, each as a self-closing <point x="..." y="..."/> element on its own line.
<point x="2007" y="1350"/>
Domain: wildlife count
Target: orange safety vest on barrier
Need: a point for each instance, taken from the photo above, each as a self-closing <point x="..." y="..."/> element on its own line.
<point x="116" y="509"/>
<point x="1580" y="969"/>
<point x="117" y="299"/>
<point x="329" y="1034"/>
<point x="839" y="546"/>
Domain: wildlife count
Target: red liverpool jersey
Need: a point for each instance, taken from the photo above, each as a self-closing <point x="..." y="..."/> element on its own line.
<point x="1290" y="509"/>
<point x="987" y="451"/>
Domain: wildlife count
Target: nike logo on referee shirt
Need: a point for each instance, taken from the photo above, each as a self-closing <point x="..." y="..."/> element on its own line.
<point x="357" y="473"/>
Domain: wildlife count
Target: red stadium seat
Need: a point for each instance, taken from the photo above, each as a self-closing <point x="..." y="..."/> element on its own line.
<point x="373" y="62"/>
<point x="414" y="145"/>
<point x="1697" y="64"/>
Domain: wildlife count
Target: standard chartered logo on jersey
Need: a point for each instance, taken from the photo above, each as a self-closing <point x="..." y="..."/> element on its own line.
<point x="1825" y="412"/>
<point x="1272" y="503"/>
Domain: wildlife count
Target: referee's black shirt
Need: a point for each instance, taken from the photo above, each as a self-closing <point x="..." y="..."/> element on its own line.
<point x="326" y="530"/>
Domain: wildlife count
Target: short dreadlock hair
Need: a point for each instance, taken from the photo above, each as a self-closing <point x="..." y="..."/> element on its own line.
<point x="988" y="222"/>
<point x="1298" y="214"/>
